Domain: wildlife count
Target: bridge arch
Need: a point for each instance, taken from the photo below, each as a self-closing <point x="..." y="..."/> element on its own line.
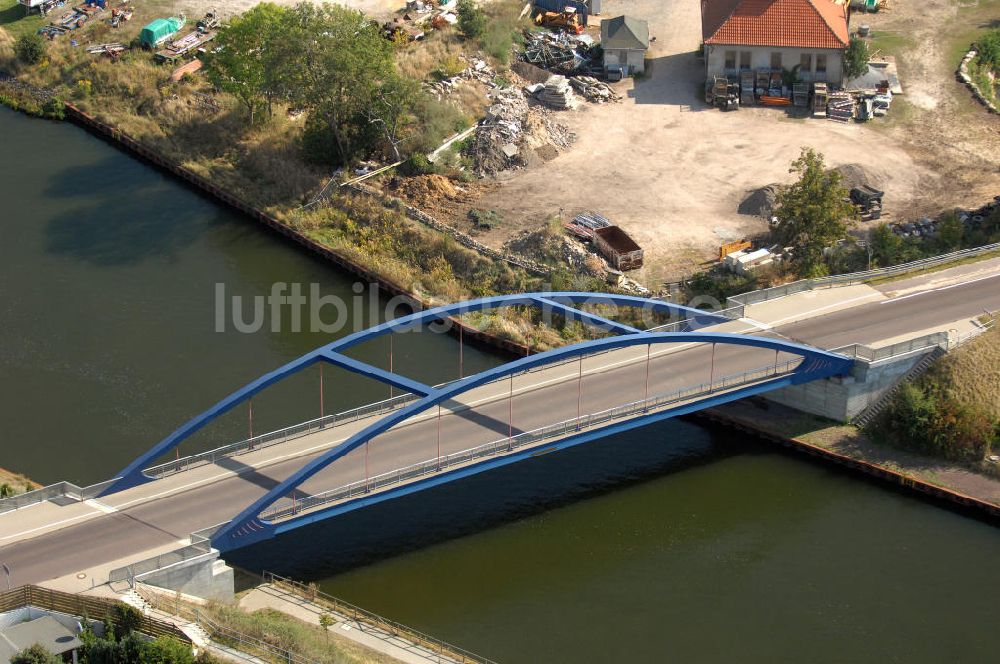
<point x="248" y="527"/>
<point x="332" y="353"/>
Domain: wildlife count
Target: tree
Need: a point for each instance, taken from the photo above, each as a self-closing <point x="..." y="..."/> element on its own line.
<point x="30" y="49"/>
<point x="126" y="619"/>
<point x="471" y="19"/>
<point x="885" y="245"/>
<point x="856" y="58"/>
<point x="811" y="214"/>
<point x="343" y="69"/>
<point x="36" y="654"/>
<point x="325" y="621"/>
<point x="253" y="55"/>
<point x="950" y="233"/>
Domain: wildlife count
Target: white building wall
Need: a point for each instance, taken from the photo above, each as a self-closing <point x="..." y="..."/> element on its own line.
<point x="634" y="58"/>
<point x="760" y="58"/>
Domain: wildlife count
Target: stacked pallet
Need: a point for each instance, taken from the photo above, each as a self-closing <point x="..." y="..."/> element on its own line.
<point x="557" y="92"/>
<point x="840" y="107"/>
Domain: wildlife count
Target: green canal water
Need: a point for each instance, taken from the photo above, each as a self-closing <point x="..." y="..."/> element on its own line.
<point x="695" y="545"/>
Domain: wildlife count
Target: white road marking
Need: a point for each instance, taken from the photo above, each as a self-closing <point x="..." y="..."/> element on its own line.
<point x="107" y="509"/>
<point x="756" y="324"/>
<point x="936" y="290"/>
<point x="778" y="322"/>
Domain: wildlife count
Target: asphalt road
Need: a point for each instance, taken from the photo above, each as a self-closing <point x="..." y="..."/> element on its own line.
<point x="170" y="519"/>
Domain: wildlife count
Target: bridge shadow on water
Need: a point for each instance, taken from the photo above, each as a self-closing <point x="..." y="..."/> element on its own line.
<point x="489" y="499"/>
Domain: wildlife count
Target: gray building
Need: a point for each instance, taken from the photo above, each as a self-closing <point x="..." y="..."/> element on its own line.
<point x="625" y="40"/>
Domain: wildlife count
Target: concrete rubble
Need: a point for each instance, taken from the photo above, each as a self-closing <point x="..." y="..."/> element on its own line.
<point x="477" y="70"/>
<point x="557" y="93"/>
<point x="511" y="131"/>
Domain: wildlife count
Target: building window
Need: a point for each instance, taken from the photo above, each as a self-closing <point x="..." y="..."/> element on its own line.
<point x="805" y="62"/>
<point x="820" y="64"/>
<point x="744" y="59"/>
<point x="730" y="59"/>
<point x="776" y="60"/>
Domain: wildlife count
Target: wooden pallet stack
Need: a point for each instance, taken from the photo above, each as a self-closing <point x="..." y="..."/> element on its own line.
<point x="840" y="107"/>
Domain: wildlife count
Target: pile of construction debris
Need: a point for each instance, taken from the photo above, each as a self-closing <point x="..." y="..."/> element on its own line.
<point x="840" y="107"/>
<point x="594" y="90"/>
<point x="556" y="92"/>
<point x="477" y="70"/>
<point x="510" y="133"/>
<point x="562" y="52"/>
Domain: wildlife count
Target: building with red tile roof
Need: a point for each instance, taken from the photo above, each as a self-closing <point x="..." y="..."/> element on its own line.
<point x="776" y="35"/>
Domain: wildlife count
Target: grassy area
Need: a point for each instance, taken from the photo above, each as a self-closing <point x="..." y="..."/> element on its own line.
<point x="16" y="481"/>
<point x="16" y="21"/>
<point x="972" y="373"/>
<point x="284" y="632"/>
<point x="886" y="42"/>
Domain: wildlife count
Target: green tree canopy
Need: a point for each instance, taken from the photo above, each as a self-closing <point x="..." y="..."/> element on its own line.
<point x="345" y="75"/>
<point x="252" y="61"/>
<point x="471" y="19"/>
<point x="36" y="654"/>
<point x="811" y="213"/>
<point x="856" y="58"/>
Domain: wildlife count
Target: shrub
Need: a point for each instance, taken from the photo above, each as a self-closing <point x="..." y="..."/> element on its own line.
<point x="36" y="654"/>
<point x="54" y="108"/>
<point x="989" y="50"/>
<point x="30" y="49"/>
<point x="471" y="19"/>
<point x="418" y="164"/>
<point x="485" y="219"/>
<point x="448" y="67"/>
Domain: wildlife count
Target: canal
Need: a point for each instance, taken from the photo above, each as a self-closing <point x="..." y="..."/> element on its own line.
<point x="676" y="542"/>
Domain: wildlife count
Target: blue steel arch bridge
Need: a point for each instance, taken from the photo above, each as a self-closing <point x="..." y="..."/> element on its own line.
<point x="633" y="377"/>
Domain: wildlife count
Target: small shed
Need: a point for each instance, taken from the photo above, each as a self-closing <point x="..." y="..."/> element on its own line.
<point x="621" y="251"/>
<point x="625" y="41"/>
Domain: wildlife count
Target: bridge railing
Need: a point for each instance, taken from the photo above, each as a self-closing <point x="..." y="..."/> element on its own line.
<point x="129" y="574"/>
<point x="57" y="490"/>
<point x="766" y="294"/>
<point x="270" y="438"/>
<point x="511" y="443"/>
<point x="943" y="340"/>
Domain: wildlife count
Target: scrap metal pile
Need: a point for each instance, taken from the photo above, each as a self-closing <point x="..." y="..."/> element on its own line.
<point x="562" y="53"/>
<point x="585" y="223"/>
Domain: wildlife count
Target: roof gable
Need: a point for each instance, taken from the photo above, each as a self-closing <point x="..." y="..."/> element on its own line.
<point x="793" y="23"/>
<point x="624" y="32"/>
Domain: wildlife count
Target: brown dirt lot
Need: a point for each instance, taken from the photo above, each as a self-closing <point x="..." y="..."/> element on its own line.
<point x="672" y="171"/>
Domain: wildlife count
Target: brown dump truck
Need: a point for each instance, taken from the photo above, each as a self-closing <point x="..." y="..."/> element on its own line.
<point x="621" y="251"/>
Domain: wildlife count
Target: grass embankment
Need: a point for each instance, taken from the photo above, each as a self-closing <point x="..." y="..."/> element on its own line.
<point x="15" y="482"/>
<point x="953" y="410"/>
<point x="287" y="633"/>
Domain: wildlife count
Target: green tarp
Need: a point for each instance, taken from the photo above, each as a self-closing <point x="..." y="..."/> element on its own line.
<point x="159" y="30"/>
